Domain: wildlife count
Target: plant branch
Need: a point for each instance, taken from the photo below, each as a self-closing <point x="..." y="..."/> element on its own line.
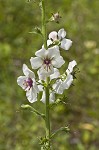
<point x="33" y="110"/>
<point x="65" y="129"/>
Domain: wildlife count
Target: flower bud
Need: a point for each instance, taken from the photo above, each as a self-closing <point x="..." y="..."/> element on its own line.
<point x="55" y="17"/>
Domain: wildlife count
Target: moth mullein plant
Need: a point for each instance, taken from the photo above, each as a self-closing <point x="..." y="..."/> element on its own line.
<point x="49" y="81"/>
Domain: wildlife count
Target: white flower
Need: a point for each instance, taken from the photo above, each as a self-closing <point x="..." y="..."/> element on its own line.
<point x="60" y="84"/>
<point x="51" y="93"/>
<point x="46" y="60"/>
<point x="59" y="37"/>
<point x="51" y="97"/>
<point x="55" y="75"/>
<point x="28" y="83"/>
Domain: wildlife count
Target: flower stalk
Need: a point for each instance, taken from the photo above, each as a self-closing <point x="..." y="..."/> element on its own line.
<point x="44" y="33"/>
<point x="47" y="113"/>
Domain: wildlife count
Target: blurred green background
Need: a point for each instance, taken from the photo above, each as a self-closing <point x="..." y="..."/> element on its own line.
<point x="19" y="128"/>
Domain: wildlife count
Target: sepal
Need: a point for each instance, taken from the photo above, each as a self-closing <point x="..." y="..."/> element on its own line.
<point x="43" y="141"/>
<point x="54" y="43"/>
<point x="75" y="72"/>
<point x="55" y="103"/>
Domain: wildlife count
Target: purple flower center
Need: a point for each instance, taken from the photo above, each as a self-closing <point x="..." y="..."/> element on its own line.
<point x="28" y="83"/>
<point x="47" y="61"/>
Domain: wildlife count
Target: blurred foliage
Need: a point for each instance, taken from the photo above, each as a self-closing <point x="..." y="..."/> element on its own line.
<point x="19" y="129"/>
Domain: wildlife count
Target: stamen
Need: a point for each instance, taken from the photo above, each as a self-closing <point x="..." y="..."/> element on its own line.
<point x="28" y="83"/>
<point x="47" y="63"/>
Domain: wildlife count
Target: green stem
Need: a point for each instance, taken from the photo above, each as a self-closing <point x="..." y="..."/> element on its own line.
<point x="44" y="25"/>
<point x="47" y="114"/>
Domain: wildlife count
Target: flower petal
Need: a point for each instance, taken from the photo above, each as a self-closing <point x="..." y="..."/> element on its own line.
<point x="55" y="75"/>
<point x="44" y="71"/>
<point x="68" y="81"/>
<point x="71" y="65"/>
<point x="53" y="52"/>
<point x="27" y="72"/>
<point x="20" y="81"/>
<point x="58" y="87"/>
<point x="61" y="33"/>
<point x="31" y="95"/>
<point x="58" y="62"/>
<point x="40" y="87"/>
<point x="41" y="77"/>
<point x="49" y="42"/>
<point x="53" y="35"/>
<point x="66" y="44"/>
<point x="35" y="87"/>
<point x="52" y="97"/>
<point x="41" y="53"/>
<point x="43" y="99"/>
<point x="36" y="62"/>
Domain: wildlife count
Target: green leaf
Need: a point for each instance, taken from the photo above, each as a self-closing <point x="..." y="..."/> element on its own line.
<point x="37" y="30"/>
